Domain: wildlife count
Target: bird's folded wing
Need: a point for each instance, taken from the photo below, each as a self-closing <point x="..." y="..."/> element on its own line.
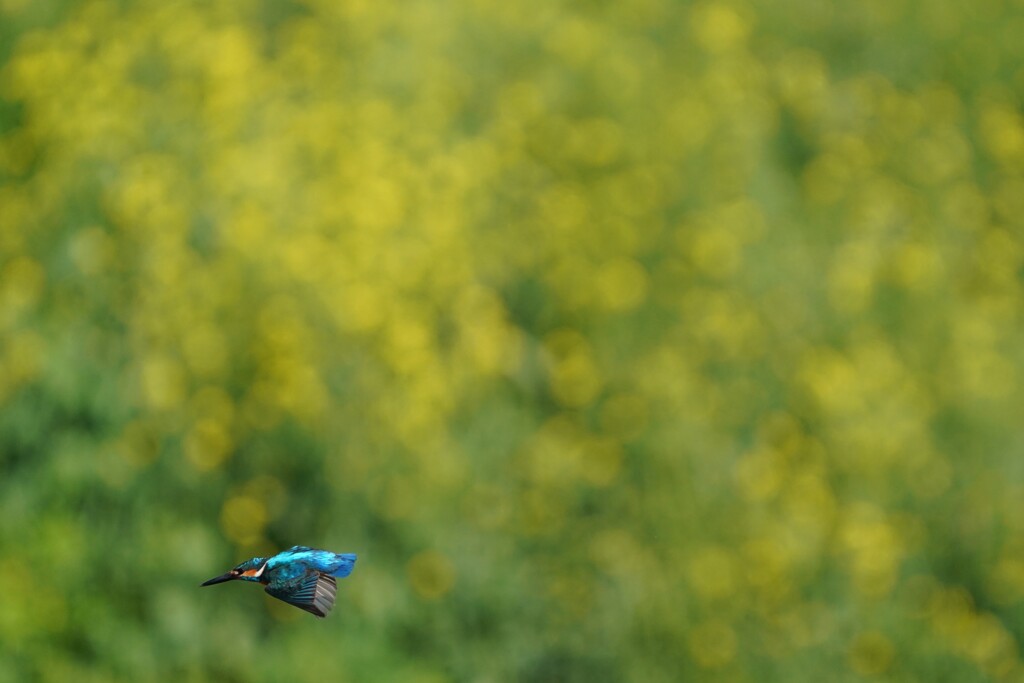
<point x="315" y="593"/>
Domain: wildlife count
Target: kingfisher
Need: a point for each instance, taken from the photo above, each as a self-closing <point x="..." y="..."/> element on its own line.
<point x="300" y="576"/>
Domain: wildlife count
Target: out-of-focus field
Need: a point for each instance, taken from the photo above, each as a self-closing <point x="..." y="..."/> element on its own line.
<point x="624" y="341"/>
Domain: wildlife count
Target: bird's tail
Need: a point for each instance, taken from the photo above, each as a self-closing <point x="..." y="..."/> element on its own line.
<point x="345" y="562"/>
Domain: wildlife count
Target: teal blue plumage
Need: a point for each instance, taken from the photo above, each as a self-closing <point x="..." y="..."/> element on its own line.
<point x="301" y="576"/>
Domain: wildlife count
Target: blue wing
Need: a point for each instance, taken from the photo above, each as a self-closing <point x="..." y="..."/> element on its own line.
<point x="315" y="593"/>
<point x="336" y="564"/>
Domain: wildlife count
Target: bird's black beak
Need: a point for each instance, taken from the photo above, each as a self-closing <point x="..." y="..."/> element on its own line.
<point x="220" y="579"/>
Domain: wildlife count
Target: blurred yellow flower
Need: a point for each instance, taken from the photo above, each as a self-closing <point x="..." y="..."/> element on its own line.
<point x="431" y="574"/>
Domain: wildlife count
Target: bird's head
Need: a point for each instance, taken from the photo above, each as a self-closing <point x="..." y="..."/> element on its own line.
<point x="250" y="570"/>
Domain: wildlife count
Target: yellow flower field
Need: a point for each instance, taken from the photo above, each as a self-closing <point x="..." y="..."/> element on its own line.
<point x="641" y="341"/>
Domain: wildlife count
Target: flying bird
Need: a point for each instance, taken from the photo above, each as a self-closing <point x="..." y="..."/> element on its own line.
<point x="300" y="576"/>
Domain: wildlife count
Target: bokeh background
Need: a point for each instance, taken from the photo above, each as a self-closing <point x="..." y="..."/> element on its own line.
<point x="624" y="341"/>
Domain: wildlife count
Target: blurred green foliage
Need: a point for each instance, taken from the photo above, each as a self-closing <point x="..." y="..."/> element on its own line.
<point x="624" y="341"/>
